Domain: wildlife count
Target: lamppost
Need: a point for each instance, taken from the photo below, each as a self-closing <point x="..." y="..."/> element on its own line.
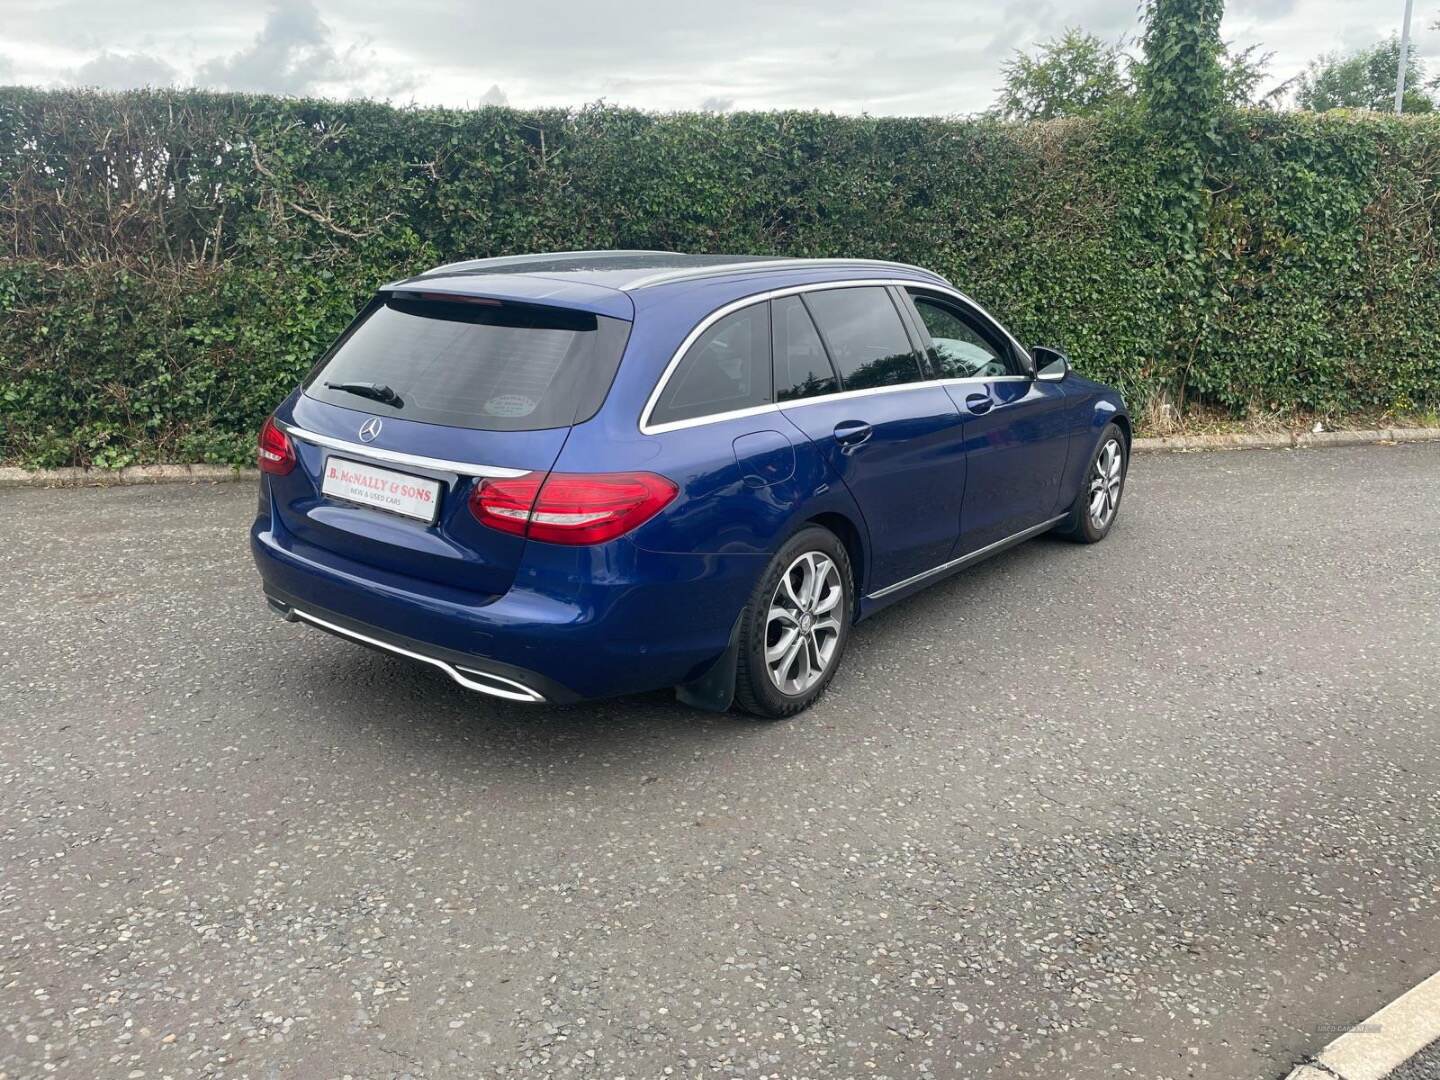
<point x="1404" y="53"/>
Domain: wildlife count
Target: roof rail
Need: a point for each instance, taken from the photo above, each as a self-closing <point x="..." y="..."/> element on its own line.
<point x="543" y="256"/>
<point x="758" y="266"/>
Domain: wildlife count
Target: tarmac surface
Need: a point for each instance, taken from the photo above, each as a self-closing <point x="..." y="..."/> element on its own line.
<point x="1165" y="806"/>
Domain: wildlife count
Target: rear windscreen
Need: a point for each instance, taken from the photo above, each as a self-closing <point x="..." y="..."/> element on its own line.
<point x="499" y="367"/>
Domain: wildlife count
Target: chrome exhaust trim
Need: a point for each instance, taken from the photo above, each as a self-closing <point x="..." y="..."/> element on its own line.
<point x="493" y="685"/>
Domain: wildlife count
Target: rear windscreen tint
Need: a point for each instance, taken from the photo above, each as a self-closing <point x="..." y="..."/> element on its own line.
<point x="498" y="367"/>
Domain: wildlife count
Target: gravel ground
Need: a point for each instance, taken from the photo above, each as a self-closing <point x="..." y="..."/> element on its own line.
<point x="1423" y="1066"/>
<point x="1163" y="807"/>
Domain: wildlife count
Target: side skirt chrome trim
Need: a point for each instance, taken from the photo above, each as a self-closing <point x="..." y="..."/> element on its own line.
<point x="965" y="560"/>
<point x="395" y="457"/>
<point x="508" y="689"/>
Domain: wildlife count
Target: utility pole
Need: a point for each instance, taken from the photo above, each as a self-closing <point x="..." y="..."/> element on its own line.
<point x="1404" y="55"/>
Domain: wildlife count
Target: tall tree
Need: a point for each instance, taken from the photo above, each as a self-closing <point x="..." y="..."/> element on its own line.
<point x="1182" y="79"/>
<point x="1183" y="89"/>
<point x="1363" y="80"/>
<point x="1242" y="73"/>
<point x="1076" y="74"/>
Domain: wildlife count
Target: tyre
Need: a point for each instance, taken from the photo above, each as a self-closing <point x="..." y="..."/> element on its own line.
<point x="1098" y="500"/>
<point x="794" y="630"/>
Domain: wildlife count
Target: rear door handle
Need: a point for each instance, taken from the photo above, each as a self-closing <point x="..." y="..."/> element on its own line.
<point x="852" y="434"/>
<point x="979" y="403"/>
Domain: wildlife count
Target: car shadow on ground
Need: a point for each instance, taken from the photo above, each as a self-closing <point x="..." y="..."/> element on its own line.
<point x="416" y="710"/>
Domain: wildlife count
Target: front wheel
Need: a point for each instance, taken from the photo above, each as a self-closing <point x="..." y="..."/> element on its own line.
<point x="794" y="630"/>
<point x="1098" y="500"/>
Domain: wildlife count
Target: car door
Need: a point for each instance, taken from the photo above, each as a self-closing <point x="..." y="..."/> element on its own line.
<point x="1016" y="431"/>
<point x="848" y="375"/>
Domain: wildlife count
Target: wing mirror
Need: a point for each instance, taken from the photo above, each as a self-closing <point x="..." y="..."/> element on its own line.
<point x="1051" y="365"/>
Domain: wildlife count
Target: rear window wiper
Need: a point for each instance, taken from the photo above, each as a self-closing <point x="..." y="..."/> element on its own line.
<point x="373" y="391"/>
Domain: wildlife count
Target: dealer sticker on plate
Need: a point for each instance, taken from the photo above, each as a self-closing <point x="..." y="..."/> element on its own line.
<point x="382" y="488"/>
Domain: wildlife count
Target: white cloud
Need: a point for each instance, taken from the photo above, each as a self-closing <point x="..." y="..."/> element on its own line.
<point x="937" y="57"/>
<point x="292" y="54"/>
<point x="118" y="71"/>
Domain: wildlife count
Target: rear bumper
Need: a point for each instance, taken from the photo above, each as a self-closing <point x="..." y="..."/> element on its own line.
<point x="587" y="622"/>
<point x="480" y="674"/>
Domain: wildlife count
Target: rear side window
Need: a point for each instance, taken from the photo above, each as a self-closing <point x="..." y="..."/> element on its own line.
<point x="727" y="368"/>
<point x="865" y="337"/>
<point x="487" y="365"/>
<point x="802" y="369"/>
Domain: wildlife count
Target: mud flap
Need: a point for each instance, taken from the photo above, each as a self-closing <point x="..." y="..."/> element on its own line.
<point x="714" y="691"/>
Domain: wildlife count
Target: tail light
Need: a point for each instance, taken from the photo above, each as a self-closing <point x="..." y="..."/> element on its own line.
<point x="571" y="508"/>
<point x="276" y="454"/>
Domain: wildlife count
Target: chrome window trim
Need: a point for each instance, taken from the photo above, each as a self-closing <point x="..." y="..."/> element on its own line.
<point x="821" y="399"/>
<point x="709" y="418"/>
<point x="974" y="556"/>
<point x="647" y="428"/>
<point x="968" y="379"/>
<point x="395" y="457"/>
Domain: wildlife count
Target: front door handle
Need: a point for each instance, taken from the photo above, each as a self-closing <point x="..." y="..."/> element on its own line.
<point x="979" y="403"/>
<point x="852" y="434"/>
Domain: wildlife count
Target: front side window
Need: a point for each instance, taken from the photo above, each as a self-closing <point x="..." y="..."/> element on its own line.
<point x="865" y="337"/>
<point x="727" y="368"/>
<point x="802" y="370"/>
<point x="958" y="348"/>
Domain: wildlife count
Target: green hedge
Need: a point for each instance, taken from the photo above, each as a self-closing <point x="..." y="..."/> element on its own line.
<point x="172" y="262"/>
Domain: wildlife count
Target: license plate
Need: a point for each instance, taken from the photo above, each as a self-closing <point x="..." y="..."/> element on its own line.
<point x="382" y="488"/>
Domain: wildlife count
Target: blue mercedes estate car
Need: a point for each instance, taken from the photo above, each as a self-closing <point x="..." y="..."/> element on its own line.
<point x="569" y="476"/>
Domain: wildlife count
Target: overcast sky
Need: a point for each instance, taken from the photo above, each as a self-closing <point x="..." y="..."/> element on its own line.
<point x="904" y="57"/>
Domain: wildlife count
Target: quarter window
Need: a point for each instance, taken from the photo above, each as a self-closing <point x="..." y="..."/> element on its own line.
<point x="802" y="369"/>
<point x="727" y="368"/>
<point x="865" y="337"/>
<point x="958" y="347"/>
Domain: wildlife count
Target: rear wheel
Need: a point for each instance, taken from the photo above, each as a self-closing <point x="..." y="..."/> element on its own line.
<point x="794" y="630"/>
<point x="1098" y="500"/>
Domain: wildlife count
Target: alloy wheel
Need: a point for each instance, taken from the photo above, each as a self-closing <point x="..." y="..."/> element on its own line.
<point x="802" y="628"/>
<point x="1105" y="480"/>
